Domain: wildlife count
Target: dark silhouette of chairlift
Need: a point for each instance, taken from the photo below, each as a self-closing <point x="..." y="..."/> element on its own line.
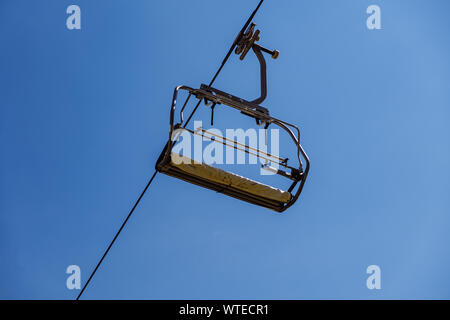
<point x="226" y="182"/>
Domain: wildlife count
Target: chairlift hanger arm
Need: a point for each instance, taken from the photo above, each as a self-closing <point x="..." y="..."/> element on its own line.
<point x="247" y="42"/>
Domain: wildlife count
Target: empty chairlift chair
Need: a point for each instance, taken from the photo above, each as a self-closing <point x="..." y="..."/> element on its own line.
<point x="228" y="183"/>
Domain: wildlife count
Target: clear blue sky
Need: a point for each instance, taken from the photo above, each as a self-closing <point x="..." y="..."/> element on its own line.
<point x="84" y="114"/>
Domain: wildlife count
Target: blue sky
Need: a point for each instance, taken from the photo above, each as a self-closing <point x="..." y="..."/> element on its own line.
<point x="84" y="115"/>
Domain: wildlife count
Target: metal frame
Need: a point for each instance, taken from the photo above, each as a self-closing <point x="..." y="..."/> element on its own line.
<point x="218" y="97"/>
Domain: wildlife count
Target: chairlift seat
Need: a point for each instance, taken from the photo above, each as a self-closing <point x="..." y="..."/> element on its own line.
<point x="224" y="182"/>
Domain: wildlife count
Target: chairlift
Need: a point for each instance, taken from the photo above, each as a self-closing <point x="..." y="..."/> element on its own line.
<point x="223" y="181"/>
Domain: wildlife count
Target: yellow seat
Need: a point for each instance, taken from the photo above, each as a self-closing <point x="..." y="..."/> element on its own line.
<point x="229" y="179"/>
<point x="224" y="182"/>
